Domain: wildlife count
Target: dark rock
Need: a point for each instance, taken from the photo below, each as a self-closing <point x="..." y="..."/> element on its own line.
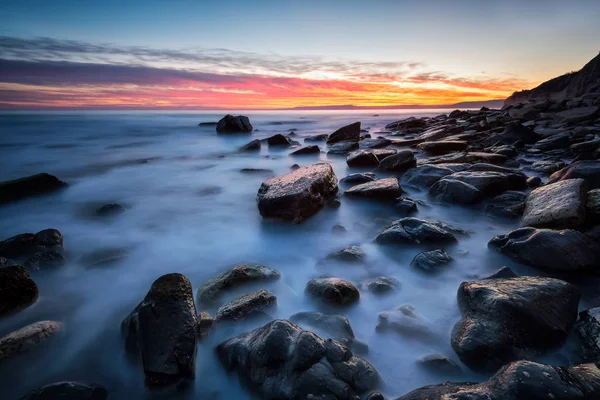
<point x="443" y="147"/>
<point x="510" y="204"/>
<point x="383" y="153"/>
<point x="505" y="320"/>
<point x="374" y="143"/>
<point x="558" y="141"/>
<point x="342" y="148"/>
<point x="580" y="114"/>
<point x="406" y="206"/>
<point x="503" y="272"/>
<point x="431" y="260"/>
<point x="515" y="132"/>
<point x="411" y="123"/>
<point x="347" y="133"/>
<point x="359" y="178"/>
<point x="306" y="150"/>
<point x="279" y="140"/>
<point x="245" y="305"/>
<point x="299" y="194"/>
<point x="27" y="338"/>
<point x="333" y="291"/>
<point x="588" y="332"/>
<point x="546" y="166"/>
<point x="109" y="210"/>
<point x="381" y="285"/>
<point x="415" y="230"/>
<point x="33" y="185"/>
<point x="534" y="181"/>
<point x="339" y="229"/>
<point x="68" y="391"/>
<point x="294" y="167"/>
<point x="205" y="323"/>
<point x="334" y="203"/>
<point x="588" y="170"/>
<point x="235" y="277"/>
<point x="17" y="289"/>
<point x="525" y="113"/>
<point x="362" y="158"/>
<point x="261" y="171"/>
<point x="455" y="192"/>
<point x="254" y="145"/>
<point x="404" y="320"/>
<point x="401" y="161"/>
<point x="336" y="325"/>
<point x="474" y="185"/>
<point x="440" y="364"/>
<point x="234" y="124"/>
<point x="375" y="396"/>
<point x="351" y="254"/>
<point x="162" y="329"/>
<point x="380" y="189"/>
<point x="316" y="138"/>
<point x="593" y="205"/>
<point x="37" y="251"/>
<point x="210" y="123"/>
<point x="282" y="361"/>
<point x="426" y="175"/>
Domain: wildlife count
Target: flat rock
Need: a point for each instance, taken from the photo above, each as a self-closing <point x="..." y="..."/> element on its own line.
<point x="359" y="178"/>
<point x="234" y="124"/>
<point x="28" y="186"/>
<point x="431" y="260"/>
<point x="27" y="338"/>
<point x="17" y="289"/>
<point x="254" y="145"/>
<point x="235" y="277"/>
<point x="299" y="194"/>
<point x="557" y="205"/>
<point x="443" y="146"/>
<point x="68" y="391"/>
<point x="515" y="132"/>
<point x="588" y="170"/>
<point x="509" y="204"/>
<point x="333" y="291"/>
<point x="383" y="153"/>
<point x="399" y="162"/>
<point x="349" y="132"/>
<point x="415" y="230"/>
<point x="306" y="150"/>
<point x="558" y="141"/>
<point x="362" y="158"/>
<point x="525" y="113"/>
<point x="381" y="189"/>
<point x="246" y="305"/>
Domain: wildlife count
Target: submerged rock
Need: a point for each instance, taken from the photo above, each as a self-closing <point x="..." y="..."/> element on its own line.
<point x="109" y="210"/>
<point x="587" y="170"/>
<point x="68" y="391"/>
<point x="17" y="289"/>
<point x="381" y="285"/>
<point x="246" y="305"/>
<point x="347" y="133"/>
<point x="234" y="124"/>
<point x="162" y="330"/>
<point x="254" y="145"/>
<point x="235" y="277"/>
<point x="415" y="230"/>
<point x="333" y="291"/>
<point x="299" y="194"/>
<point x="33" y="185"/>
<point x="431" y="260"/>
<point x="282" y="361"/>
<point x="381" y="189"/>
<point x="399" y="162"/>
<point x="27" y="338"/>
<point x="509" y="319"/>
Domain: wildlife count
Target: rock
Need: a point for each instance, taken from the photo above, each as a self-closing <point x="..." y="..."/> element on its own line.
<point x="426" y="175"/>
<point x="440" y="364"/>
<point x="258" y="171"/>
<point x="375" y="396"/>
<point x="503" y="272"/>
<point x="338" y="229"/>
<point x="351" y="254"/>
<point x="431" y="260"/>
<point x="294" y="167"/>
<point x="383" y="153"/>
<point x="546" y="166"/>
<point x="254" y="145"/>
<point x="469" y="187"/>
<point x="534" y="181"/>
<point x="17" y="289"/>
<point x="415" y="230"/>
<point x="343" y="148"/>
<point x="334" y="203"/>
<point x="234" y="124"/>
<point x="205" y="323"/>
<point x="316" y="138"/>
<point x="562" y="250"/>
<point x="362" y="158"/>
<point x="558" y="205"/>
<point x="381" y="285"/>
<point x="558" y="141"/>
<point x="588" y="170"/>
<point x="381" y="189"/>
<point x="299" y="194"/>
<point x="33" y="185"/>
<point x="579" y="114"/>
<point x="235" y="277"/>
<point x="404" y="320"/>
<point x="398" y="162"/>
<point x="455" y="192"/>
<point x="525" y="113"/>
<point x="27" y="338"/>
<point x="282" y="361"/>
<point x="335" y="325"/>
<point x="588" y="333"/>
<point x="443" y="147"/>
<point x="279" y="140"/>
<point x="593" y="205"/>
<point x="68" y="391"/>
<point x="209" y="123"/>
<point x="521" y="380"/>
<point x="509" y="204"/>
<point x="359" y="178"/>
<point x="37" y="251"/>
<point x="306" y="150"/>
<point x="245" y="305"/>
<point x="505" y="320"/>
<point x="408" y="124"/>
<point x="162" y="330"/>
<point x="589" y="145"/>
<point x="374" y="143"/>
<point x="505" y="150"/>
<point x="333" y="291"/>
<point x="347" y="133"/>
<point x="109" y="210"/>
<point x="515" y="132"/>
<point x="406" y="206"/>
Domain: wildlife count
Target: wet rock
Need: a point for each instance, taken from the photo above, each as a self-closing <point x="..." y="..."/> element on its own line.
<point x="306" y="150"/>
<point x="443" y="146"/>
<point x="562" y="250"/>
<point x="374" y="143"/>
<point x="351" y="254"/>
<point x="246" y="305"/>
<point x="557" y="205"/>
<point x="503" y="319"/>
<point x="359" y="178"/>
<point x="399" y="162"/>
<point x="299" y="194"/>
<point x="279" y="140"/>
<point x="509" y="204"/>
<point x="162" y="330"/>
<point x="546" y="167"/>
<point x="534" y="181"/>
<point x="404" y="320"/>
<point x="234" y="124"/>
<point x="27" y="338"/>
<point x="17" y="289"/>
<point x="33" y="185"/>
<point x="362" y="158"/>
<point x="235" y="277"/>
<point x="521" y="380"/>
<point x="579" y="114"/>
<point x="455" y="192"/>
<point x="109" y="210"/>
<point x="342" y="148"/>
<point x="336" y="325"/>
<point x="440" y="364"/>
<point x="316" y="138"/>
<point x="282" y="361"/>
<point x="205" y="323"/>
<point x="68" y="391"/>
<point x="381" y="189"/>
<point x="406" y="206"/>
<point x="37" y="251"/>
<point x="426" y="175"/>
<point x="475" y="186"/>
<point x="381" y="285"/>
<point x="588" y="170"/>
<point x="415" y="230"/>
<point x="505" y="150"/>
<point x="252" y="146"/>
<point x="334" y="203"/>
<point x="333" y="291"/>
<point x="347" y="133"/>
<point x="431" y="260"/>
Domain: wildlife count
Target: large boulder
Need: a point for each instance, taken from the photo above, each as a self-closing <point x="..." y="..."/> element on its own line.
<point x="68" y="391"/>
<point x="415" y="231"/>
<point x="29" y="186"/>
<point x="332" y="291"/>
<point x="346" y="133"/>
<point x="162" y="330"/>
<point x="521" y="380"/>
<point x="562" y="250"/>
<point x="362" y="158"/>
<point x="17" y="289"/>
<point x="558" y="205"/>
<point x="37" y="251"/>
<point x="399" y="162"/>
<point x="505" y="320"/>
<point x="588" y="332"/>
<point x="28" y="338"/>
<point x="382" y="189"/>
<point x="588" y="170"/>
<point x="246" y="305"/>
<point x="234" y="124"/>
<point x="443" y="146"/>
<point x="299" y="194"/>
<point x="237" y="276"/>
<point x="280" y="360"/>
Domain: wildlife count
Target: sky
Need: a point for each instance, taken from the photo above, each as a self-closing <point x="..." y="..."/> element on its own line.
<point x="237" y="54"/>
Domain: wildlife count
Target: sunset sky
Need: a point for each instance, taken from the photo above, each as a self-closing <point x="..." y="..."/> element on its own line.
<point x="282" y="54"/>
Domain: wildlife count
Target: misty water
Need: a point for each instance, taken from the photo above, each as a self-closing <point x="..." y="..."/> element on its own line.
<point x="191" y="210"/>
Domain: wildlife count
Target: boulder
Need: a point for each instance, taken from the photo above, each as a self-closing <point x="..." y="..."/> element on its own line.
<point x="520" y="380"/>
<point x="333" y="291"/>
<point x="381" y="285"/>
<point x="588" y="333"/>
<point x="232" y="278"/>
<point x="359" y="178"/>
<point x="408" y="124"/>
<point x="505" y="320"/>
<point x="588" y="170"/>
<point x="351" y="254"/>
<point x="374" y="143"/>
<point x="579" y="114"/>
<point x="342" y="148"/>
<point x="246" y="305"/>
<point x="431" y="260"/>
<point x="381" y="189"/>
<point x="562" y="250"/>
<point x="403" y="320"/>
<point x="414" y="230"/>
<point x="162" y="330"/>
<point x="306" y="150"/>
<point x="557" y="205"/>
<point x="68" y="391"/>
<point x="234" y="124"/>
<point x="280" y="360"/>
<point x="346" y="133"/>
<point x="443" y="146"/>
<point x="383" y="153"/>
<point x="37" y="251"/>
<point x="362" y="158"/>
<point x="299" y="194"/>
<point x="279" y="140"/>
<point x="27" y="338"/>
<point x="509" y="204"/>
<point x="399" y="162"/>
<point x="17" y="289"/>
<point x="33" y="185"/>
<point x="254" y="145"/>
